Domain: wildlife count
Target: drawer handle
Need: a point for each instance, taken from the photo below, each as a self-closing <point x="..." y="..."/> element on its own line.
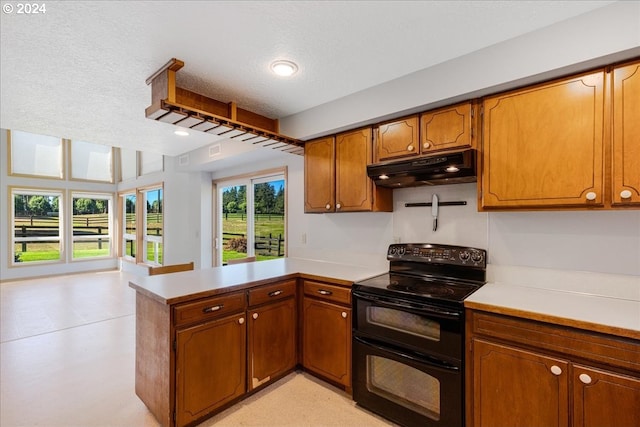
<point x="212" y="308"/>
<point x="323" y="292"/>
<point x="275" y="293"/>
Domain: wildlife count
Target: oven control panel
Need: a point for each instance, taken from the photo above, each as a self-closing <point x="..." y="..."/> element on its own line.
<point x="437" y="254"/>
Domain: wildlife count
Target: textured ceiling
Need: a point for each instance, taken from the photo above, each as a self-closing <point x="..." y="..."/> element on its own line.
<point x="78" y="71"/>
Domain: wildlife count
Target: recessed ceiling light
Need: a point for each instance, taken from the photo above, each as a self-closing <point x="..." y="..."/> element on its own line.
<point x="181" y="132"/>
<point x="284" y="68"/>
<point x="452" y="169"/>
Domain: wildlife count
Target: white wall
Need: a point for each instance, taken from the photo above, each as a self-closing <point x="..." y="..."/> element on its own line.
<point x="600" y="37"/>
<point x="594" y="241"/>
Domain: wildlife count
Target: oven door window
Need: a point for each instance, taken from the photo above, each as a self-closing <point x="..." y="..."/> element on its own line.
<point x="404" y="385"/>
<point x="411" y="326"/>
<point x="404" y="322"/>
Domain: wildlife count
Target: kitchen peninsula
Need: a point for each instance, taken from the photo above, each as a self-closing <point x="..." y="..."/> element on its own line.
<point x="205" y="338"/>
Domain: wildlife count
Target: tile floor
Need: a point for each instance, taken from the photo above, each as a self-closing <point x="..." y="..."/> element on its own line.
<point x="67" y="358"/>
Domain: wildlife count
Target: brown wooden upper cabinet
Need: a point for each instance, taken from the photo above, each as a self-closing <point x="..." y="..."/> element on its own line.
<point x="626" y="135"/>
<point x="320" y="175"/>
<point x="399" y="138"/>
<point x="336" y="178"/>
<point x="447" y="128"/>
<point x="543" y="146"/>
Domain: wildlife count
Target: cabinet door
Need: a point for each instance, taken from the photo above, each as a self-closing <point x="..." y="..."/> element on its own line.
<point x="513" y="387"/>
<point x="446" y="128"/>
<point x="319" y="175"/>
<point x="272" y="341"/>
<point x="605" y="399"/>
<point x="626" y="135"/>
<point x="326" y="340"/>
<point x="543" y="146"/>
<point x="354" y="188"/>
<point x="398" y="139"/>
<point x="210" y="367"/>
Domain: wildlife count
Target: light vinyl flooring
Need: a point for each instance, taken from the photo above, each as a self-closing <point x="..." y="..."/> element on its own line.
<point x="67" y="358"/>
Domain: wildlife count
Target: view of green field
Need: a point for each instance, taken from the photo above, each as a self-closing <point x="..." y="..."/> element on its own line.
<point x="269" y="228"/>
<point x="269" y="232"/>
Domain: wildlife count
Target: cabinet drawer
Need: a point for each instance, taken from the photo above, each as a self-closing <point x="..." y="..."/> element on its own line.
<point x="209" y="308"/>
<point x="274" y="292"/>
<point x="595" y="347"/>
<point x="327" y="292"/>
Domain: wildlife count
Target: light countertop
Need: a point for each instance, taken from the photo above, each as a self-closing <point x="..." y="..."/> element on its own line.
<point x="183" y="286"/>
<point x="599" y="302"/>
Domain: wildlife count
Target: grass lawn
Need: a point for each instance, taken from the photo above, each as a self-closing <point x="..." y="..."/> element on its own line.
<point x="265" y="225"/>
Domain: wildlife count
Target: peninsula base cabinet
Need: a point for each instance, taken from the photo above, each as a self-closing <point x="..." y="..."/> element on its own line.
<point x="326" y="332"/>
<point x="199" y="356"/>
<point x="210" y="367"/>
<point x="524" y="372"/>
<point x="272" y="333"/>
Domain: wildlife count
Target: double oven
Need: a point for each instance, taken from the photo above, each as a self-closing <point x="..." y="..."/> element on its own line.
<point x="408" y="334"/>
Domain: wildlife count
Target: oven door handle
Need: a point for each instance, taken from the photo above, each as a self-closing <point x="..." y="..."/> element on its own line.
<point x="419" y="358"/>
<point x="426" y="309"/>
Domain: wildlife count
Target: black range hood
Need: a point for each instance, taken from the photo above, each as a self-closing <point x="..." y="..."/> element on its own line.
<point x="453" y="167"/>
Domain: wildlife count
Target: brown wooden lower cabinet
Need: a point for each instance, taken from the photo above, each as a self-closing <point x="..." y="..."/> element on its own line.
<point x="523" y="372"/>
<point x="605" y="399"/>
<point x="272" y="334"/>
<point x="326" y="332"/>
<point x="514" y="387"/>
<point x="197" y="357"/>
<point x="210" y="367"/>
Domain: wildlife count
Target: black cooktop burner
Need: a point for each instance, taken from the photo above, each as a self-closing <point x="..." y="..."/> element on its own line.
<point x="413" y="287"/>
<point x="429" y="273"/>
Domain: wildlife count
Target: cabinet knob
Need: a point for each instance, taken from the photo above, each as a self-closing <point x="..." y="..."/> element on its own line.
<point x="241" y="320"/>
<point x="254" y="315"/>
<point x="591" y="195"/>
<point x="426" y="145"/>
<point x="410" y="148"/>
<point x="586" y="379"/>
<point x="344" y="314"/>
<point x="327" y="206"/>
<point x="556" y="370"/>
<point x="338" y="206"/>
<point x="625" y="194"/>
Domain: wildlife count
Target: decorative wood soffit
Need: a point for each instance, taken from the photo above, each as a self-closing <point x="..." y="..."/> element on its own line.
<point x="181" y="107"/>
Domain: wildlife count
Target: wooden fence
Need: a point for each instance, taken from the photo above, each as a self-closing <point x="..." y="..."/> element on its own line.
<point x="264" y="245"/>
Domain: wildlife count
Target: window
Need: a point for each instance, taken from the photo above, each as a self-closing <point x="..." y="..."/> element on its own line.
<point x="153" y="225"/>
<point x="37" y="224"/>
<point x="91" y="162"/>
<point x="129" y="226"/>
<point x="36" y="155"/>
<point x="128" y="164"/>
<point x="143" y="225"/>
<point x="91" y="225"/>
<point x="252" y="217"/>
<point x="151" y="162"/>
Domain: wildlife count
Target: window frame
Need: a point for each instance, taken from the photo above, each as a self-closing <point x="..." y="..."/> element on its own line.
<point x="146" y="237"/>
<point x="249" y="180"/>
<point x="63" y="155"/>
<point x="74" y="194"/>
<point x="37" y="191"/>
<point x="140" y="238"/>
<point x="111" y="179"/>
